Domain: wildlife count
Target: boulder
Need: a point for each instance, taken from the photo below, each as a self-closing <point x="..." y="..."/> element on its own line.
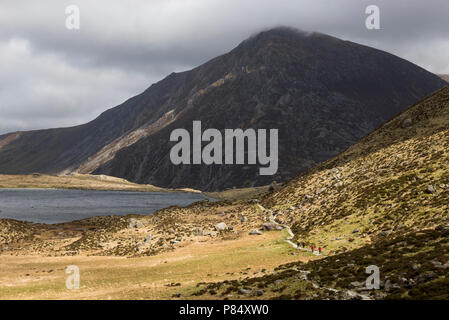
<point x="272" y="226"/>
<point x="133" y="223"/>
<point x="259" y="293"/>
<point x="221" y="226"/>
<point x="426" y="276"/>
<point x="431" y="189"/>
<point x="339" y="184"/>
<point x="406" y="123"/>
<point x="255" y="233"/>
<point x="244" y="291"/>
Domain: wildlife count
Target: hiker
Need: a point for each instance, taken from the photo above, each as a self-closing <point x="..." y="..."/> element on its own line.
<point x="303" y="244"/>
<point x="313" y="248"/>
<point x="319" y="250"/>
<point x="298" y="245"/>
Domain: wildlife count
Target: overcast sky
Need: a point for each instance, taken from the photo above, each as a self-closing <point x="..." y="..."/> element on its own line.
<point x="51" y="76"/>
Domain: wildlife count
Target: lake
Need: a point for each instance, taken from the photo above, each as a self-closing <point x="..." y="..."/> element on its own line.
<point x="56" y="206"/>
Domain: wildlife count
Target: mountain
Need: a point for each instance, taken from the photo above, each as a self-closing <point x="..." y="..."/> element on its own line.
<point x="445" y="77"/>
<point x="320" y="92"/>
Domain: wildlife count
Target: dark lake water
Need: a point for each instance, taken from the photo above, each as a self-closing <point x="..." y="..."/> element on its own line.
<point x="55" y="206"/>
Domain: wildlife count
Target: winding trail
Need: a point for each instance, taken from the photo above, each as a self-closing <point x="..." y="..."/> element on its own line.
<point x="291" y="235"/>
<point x="295" y="246"/>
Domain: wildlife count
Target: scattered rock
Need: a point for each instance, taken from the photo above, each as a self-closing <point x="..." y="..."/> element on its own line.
<point x="406" y="123"/>
<point x="426" y="276"/>
<point x="339" y="184"/>
<point x="390" y="285"/>
<point x="255" y="233"/>
<point x="133" y="223"/>
<point x="279" y="281"/>
<point x="259" y="293"/>
<point x="416" y="266"/>
<point x="357" y="284"/>
<point x="244" y="291"/>
<point x="221" y="226"/>
<point x="439" y="265"/>
<point x="271" y="226"/>
<point x="384" y="233"/>
<point x="303" y="275"/>
<point x="243" y="219"/>
<point x="431" y="189"/>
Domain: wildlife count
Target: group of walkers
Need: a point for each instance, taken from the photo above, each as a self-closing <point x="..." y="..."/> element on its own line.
<point x="303" y="245"/>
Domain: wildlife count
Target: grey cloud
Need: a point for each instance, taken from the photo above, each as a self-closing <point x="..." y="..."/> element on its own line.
<point x="61" y="77"/>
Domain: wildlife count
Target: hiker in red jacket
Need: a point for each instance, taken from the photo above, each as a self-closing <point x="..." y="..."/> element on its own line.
<point x="313" y="248"/>
<point x="319" y="250"/>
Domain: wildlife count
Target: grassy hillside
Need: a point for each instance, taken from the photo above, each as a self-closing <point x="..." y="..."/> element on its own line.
<point x="413" y="266"/>
<point x="391" y="182"/>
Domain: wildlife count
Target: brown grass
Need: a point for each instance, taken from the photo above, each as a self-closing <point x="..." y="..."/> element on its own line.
<point x="37" y="277"/>
<point x="76" y="181"/>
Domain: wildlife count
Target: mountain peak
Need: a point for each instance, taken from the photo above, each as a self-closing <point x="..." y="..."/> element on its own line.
<point x="279" y="34"/>
<point x="322" y="93"/>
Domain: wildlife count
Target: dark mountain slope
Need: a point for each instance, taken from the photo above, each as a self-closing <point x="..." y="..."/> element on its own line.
<point x="322" y="93"/>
